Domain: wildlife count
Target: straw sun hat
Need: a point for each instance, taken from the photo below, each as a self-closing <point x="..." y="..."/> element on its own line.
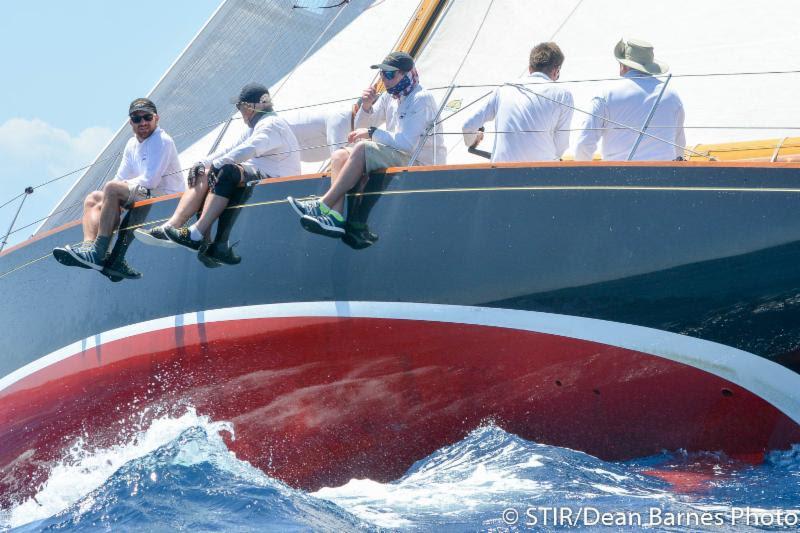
<point x="638" y="55"/>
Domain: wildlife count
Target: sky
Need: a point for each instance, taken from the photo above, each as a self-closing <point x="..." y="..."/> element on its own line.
<point x="70" y="70"/>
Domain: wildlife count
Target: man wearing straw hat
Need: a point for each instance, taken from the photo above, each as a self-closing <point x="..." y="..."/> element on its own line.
<point x="620" y="112"/>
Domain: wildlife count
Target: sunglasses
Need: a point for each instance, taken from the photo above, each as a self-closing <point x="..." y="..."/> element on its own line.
<point x="138" y="118"/>
<point x="388" y="74"/>
<point x="245" y="105"/>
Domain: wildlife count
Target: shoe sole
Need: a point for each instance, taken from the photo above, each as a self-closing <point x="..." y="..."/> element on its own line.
<point x="148" y="239"/>
<point x="294" y="206"/>
<point x="64" y="257"/>
<point x="208" y="262"/>
<point x="309" y="224"/>
<point x="111" y="273"/>
<point x="83" y="263"/>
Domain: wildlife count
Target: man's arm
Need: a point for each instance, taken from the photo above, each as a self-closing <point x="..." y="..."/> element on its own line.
<point x="591" y="131"/>
<point x="680" y="133"/>
<point x="561" y="135"/>
<point x="375" y="116"/>
<point x="482" y="113"/>
<point x="255" y="145"/>
<point x="222" y="152"/>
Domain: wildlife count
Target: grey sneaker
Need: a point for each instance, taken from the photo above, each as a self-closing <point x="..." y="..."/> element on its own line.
<point x="182" y="237"/>
<point x="327" y="225"/>
<point x="65" y="258"/>
<point x="305" y="207"/>
<point x="155" y="236"/>
<point x="121" y="269"/>
<point x="86" y="256"/>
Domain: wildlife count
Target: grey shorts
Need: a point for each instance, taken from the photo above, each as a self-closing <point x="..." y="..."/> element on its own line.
<point x="136" y="193"/>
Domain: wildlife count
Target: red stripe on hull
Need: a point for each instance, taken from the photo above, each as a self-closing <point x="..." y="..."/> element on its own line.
<point x="318" y="401"/>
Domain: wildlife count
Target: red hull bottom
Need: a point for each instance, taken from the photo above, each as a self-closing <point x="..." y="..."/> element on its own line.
<point x="318" y="401"/>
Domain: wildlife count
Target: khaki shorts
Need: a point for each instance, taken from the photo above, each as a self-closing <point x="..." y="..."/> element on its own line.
<point x="136" y="193"/>
<point x="380" y="156"/>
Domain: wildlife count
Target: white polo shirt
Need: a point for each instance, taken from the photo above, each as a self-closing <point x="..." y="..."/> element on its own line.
<point x="628" y="100"/>
<point x="269" y="148"/>
<point x="153" y="164"/>
<point x="406" y="121"/>
<point x="537" y="127"/>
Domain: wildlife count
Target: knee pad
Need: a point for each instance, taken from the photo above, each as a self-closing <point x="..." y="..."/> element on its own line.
<point x="228" y="179"/>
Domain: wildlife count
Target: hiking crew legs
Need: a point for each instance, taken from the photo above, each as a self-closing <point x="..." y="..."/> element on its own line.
<point x="351" y="166"/>
<point x="190" y="203"/>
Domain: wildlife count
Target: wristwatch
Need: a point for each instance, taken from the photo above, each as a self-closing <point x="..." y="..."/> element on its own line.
<point x="371" y="130"/>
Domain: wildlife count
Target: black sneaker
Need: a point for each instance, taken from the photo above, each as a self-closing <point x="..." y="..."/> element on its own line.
<point x="224" y="253"/>
<point x="326" y="225"/>
<point x="305" y="207"/>
<point x="155" y="236"/>
<point x="182" y="237"/>
<point x="358" y="236"/>
<point x="86" y="256"/>
<point x="121" y="269"/>
<point x="218" y="254"/>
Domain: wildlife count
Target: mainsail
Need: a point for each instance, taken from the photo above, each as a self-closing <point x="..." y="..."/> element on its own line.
<point x="318" y="59"/>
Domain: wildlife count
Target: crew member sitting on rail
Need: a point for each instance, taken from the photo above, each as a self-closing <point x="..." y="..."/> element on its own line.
<point x="149" y="166"/>
<point x="408" y="111"/>
<point x="619" y="113"/>
<point x="529" y="127"/>
<point x="267" y="149"/>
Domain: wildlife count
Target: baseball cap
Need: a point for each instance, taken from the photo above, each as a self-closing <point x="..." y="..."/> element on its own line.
<point x="396" y="61"/>
<point x="251" y="93"/>
<point x="142" y="104"/>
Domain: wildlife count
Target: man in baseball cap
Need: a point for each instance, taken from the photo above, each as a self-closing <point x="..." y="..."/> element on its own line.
<point x="149" y="167"/>
<point x="389" y="129"/>
<point x="266" y="149"/>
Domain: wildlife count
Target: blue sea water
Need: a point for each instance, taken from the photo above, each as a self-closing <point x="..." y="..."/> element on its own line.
<point x="177" y="475"/>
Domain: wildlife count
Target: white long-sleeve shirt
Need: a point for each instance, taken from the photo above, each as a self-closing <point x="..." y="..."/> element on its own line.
<point x="269" y="148"/>
<point x="152" y="163"/>
<point x="628" y="101"/>
<point x="517" y="111"/>
<point x="406" y="121"/>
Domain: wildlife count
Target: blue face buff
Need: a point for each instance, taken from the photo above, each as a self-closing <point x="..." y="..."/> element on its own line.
<point x="401" y="86"/>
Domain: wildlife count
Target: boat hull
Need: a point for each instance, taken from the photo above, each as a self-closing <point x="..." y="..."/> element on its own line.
<point x="615" y="309"/>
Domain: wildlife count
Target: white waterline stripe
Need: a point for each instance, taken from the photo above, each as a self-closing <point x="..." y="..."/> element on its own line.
<point x="770" y="381"/>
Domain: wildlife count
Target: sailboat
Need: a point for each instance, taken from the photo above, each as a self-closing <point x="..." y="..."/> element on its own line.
<point x="618" y="308"/>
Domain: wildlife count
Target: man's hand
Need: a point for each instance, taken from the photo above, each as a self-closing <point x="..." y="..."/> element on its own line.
<point x="212" y="178"/>
<point x="358" y="135"/>
<point x="478" y="139"/>
<point x="368" y="97"/>
<point x="197" y="171"/>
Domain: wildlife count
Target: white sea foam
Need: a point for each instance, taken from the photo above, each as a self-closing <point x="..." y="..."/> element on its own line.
<point x="83" y="470"/>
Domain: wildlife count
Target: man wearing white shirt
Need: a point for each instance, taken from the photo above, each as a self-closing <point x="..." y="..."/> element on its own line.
<point x="266" y="149"/>
<point x="149" y="167"/>
<point x="529" y="127"/>
<point x="407" y="111"/>
<point x="622" y="108"/>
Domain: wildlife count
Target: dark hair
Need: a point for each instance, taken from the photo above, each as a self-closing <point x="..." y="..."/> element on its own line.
<point x="546" y="57"/>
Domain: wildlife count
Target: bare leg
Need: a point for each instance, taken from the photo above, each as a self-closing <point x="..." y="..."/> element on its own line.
<point x="190" y="202"/>
<point x="206" y="206"/>
<point x="346" y="178"/>
<point x="115" y="194"/>
<point x="212" y="210"/>
<point x="91" y="215"/>
<point x="338" y="159"/>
